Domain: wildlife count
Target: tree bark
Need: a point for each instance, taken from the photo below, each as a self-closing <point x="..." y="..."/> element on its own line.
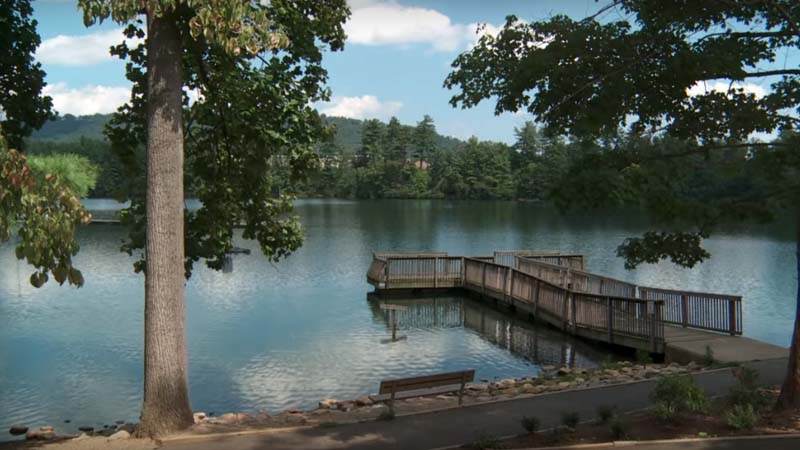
<point x="790" y="391"/>
<point x="166" y="405"/>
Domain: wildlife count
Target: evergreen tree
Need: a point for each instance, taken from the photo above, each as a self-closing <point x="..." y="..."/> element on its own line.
<point x="424" y="140"/>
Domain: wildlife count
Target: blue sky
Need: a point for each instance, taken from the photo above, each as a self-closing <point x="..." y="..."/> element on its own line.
<point x="397" y="56"/>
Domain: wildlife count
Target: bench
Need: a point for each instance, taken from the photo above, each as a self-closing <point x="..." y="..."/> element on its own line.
<point x="424" y="385"/>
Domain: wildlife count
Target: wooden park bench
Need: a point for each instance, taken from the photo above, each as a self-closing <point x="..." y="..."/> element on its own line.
<point x="425" y="385"/>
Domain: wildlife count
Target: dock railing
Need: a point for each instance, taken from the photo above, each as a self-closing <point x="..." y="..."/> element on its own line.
<point x="714" y="312"/>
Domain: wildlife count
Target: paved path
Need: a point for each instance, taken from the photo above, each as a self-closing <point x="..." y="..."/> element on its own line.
<point x="686" y="344"/>
<point x="462" y="425"/>
<point x="774" y="443"/>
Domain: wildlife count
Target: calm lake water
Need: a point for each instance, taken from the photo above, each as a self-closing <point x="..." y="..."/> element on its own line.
<point x="272" y="336"/>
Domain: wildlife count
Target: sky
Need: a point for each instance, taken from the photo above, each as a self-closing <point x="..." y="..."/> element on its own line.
<point x="396" y="58"/>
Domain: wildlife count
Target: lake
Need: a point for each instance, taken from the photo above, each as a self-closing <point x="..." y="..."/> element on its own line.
<point x="274" y="336"/>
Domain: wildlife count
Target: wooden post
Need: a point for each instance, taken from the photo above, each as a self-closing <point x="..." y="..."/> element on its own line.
<point x="505" y="280"/>
<point x="732" y="316"/>
<point x="435" y="272"/>
<point x="461" y="391"/>
<point x="685" y="310"/>
<point x="511" y="288"/>
<point x="564" y="318"/>
<point x="386" y="273"/>
<point x="463" y="270"/>
<point x="610" y="320"/>
<point x="655" y="316"/>
<point x="573" y="313"/>
<point x="394" y="324"/>
<point x="483" y="280"/>
<point x="391" y="399"/>
<point x="535" y="295"/>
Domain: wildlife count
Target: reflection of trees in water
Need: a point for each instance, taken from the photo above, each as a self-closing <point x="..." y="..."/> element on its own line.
<point x="534" y="342"/>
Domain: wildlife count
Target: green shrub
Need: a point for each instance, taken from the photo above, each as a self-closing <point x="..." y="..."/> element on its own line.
<point x="643" y="357"/>
<point x="746" y="391"/>
<point x="531" y="424"/>
<point x="708" y="358"/>
<point x="486" y="441"/>
<point x="386" y="414"/>
<point x="618" y="428"/>
<point x="676" y="395"/>
<point x="605" y="413"/>
<point x="741" y="417"/>
<point x="570" y="419"/>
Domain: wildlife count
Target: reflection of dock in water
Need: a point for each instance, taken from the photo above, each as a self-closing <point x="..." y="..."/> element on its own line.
<point x="534" y="342"/>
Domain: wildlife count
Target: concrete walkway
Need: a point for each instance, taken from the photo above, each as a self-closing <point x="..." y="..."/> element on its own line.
<point x="458" y="426"/>
<point x="685" y="344"/>
<point x="758" y="443"/>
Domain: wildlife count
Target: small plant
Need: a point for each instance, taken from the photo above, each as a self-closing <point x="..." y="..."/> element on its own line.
<point x="618" y="428"/>
<point x="708" y="358"/>
<point x="605" y="413"/>
<point x="676" y="395"/>
<point x="328" y="424"/>
<point x="531" y="424"/>
<point x="486" y="441"/>
<point x="643" y="357"/>
<point x="607" y="363"/>
<point x="741" y="417"/>
<point x="386" y="414"/>
<point x="570" y="419"/>
<point x="746" y="391"/>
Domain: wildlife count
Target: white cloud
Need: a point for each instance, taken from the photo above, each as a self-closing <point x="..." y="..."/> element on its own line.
<point x="81" y="50"/>
<point x="389" y="23"/>
<point x="701" y="88"/>
<point x="363" y="107"/>
<point x="90" y="99"/>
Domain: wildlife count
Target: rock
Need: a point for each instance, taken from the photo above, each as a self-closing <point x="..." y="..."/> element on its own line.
<point x="199" y="417"/>
<point x="16" y="430"/>
<point x="564" y="385"/>
<point x="296" y="419"/>
<point x="548" y="368"/>
<point x="651" y="372"/>
<point x="129" y="427"/>
<point x="232" y="418"/>
<point x="320" y="411"/>
<point x="119" y="435"/>
<point x="363" y="401"/>
<point x="42" y="434"/>
<point x="528" y="388"/>
<point x="579" y="380"/>
<point x="328" y="403"/>
<point x="345" y="406"/>
<point x="564" y="371"/>
<point x="67" y="421"/>
<point x="484" y="380"/>
<point x="506" y="383"/>
<point x="119" y="422"/>
<point x="479" y="387"/>
<point x="86" y="428"/>
<point x="613" y="373"/>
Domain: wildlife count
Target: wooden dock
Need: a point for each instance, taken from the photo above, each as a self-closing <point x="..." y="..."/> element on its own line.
<point x="558" y="290"/>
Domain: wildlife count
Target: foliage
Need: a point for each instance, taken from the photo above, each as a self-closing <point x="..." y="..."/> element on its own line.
<point x="741" y="417"/>
<point x="746" y="391"/>
<point x="531" y="424"/>
<point x="618" y="428"/>
<point x="605" y="413"/>
<point x="39" y="206"/>
<point x="386" y="414"/>
<point x="22" y="106"/>
<point x="676" y="395"/>
<point x="486" y="441"/>
<point x="250" y="136"/>
<point x="708" y="357"/>
<point x="76" y="172"/>
<point x="643" y="357"/>
<point x="570" y="419"/>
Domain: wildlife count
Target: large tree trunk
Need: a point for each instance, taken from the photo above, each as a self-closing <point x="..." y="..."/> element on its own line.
<point x="790" y="391"/>
<point x="166" y="405"/>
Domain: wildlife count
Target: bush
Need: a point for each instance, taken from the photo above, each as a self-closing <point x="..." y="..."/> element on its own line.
<point x="386" y="414"/>
<point x="643" y="357"/>
<point x="676" y="395"/>
<point x="746" y="391"/>
<point x="708" y="358"/>
<point x="531" y="424"/>
<point x="486" y="441"/>
<point x="618" y="428"/>
<point x="605" y="413"/>
<point x="741" y="417"/>
<point x="570" y="419"/>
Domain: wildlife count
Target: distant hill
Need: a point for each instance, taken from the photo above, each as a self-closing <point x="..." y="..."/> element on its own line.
<point x="69" y="128"/>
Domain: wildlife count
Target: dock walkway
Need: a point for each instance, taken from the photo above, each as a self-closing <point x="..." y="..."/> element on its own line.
<point x="557" y="289"/>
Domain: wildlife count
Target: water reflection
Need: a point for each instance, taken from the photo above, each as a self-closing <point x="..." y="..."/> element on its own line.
<point x="534" y="342"/>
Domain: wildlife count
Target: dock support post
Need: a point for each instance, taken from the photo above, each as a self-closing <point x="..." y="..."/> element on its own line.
<point x="435" y="272"/>
<point x="511" y="288"/>
<point x="483" y="280"/>
<point x="685" y="310"/>
<point x="732" y="316"/>
<point x="535" y="297"/>
<point x="610" y="320"/>
<point x="564" y="311"/>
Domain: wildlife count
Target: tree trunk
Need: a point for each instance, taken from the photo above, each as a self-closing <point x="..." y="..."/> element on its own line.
<point x="166" y="405"/>
<point x="790" y="391"/>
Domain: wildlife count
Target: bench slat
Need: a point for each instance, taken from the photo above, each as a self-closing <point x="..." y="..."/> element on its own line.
<point x="426" y="381"/>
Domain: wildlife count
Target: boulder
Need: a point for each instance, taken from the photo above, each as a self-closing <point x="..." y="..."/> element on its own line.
<point x="564" y="385"/>
<point x="328" y="403"/>
<point x="86" y="428"/>
<point x="363" y="401"/>
<point x="345" y="406"/>
<point x="119" y="435"/>
<point x="16" y="430"/>
<point x="199" y="417"/>
<point x="479" y="387"/>
<point x="42" y="434"/>
<point x="548" y="368"/>
<point x="506" y="383"/>
<point x="564" y="371"/>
